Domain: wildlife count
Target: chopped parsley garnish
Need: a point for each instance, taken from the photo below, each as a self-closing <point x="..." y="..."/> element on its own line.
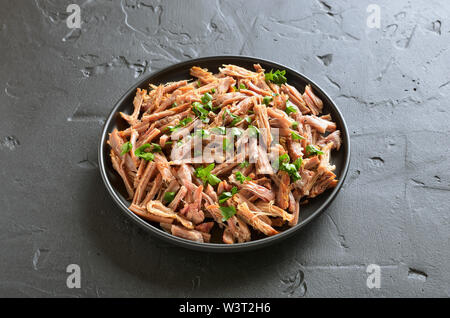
<point x="290" y="108"/>
<point x="242" y="86"/>
<point x="236" y="132"/>
<point x="267" y="99"/>
<point x="219" y="130"/>
<point x="292" y="169"/>
<point x="201" y="133"/>
<point x="141" y="153"/>
<point x="213" y="90"/>
<point x="241" y="178"/>
<point x="236" y="120"/>
<point x="206" y="98"/>
<point x="182" y="123"/>
<point x="244" y="164"/>
<point x="253" y="131"/>
<point x="199" y="83"/>
<point x="205" y="174"/>
<point x="126" y="147"/>
<point x="294" y="125"/>
<point x="296" y="136"/>
<point x="298" y="163"/>
<point x="200" y="111"/>
<point x="277" y="77"/>
<point x="227" y="212"/>
<point x="227" y="145"/>
<point x="313" y="150"/>
<point x="234" y="88"/>
<point x="169" y="196"/>
<point x="224" y="196"/>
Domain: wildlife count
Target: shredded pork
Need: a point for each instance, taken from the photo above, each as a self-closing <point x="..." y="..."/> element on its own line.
<point x="242" y="195"/>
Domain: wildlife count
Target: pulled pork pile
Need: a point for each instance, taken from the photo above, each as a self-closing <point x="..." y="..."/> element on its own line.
<point x="254" y="194"/>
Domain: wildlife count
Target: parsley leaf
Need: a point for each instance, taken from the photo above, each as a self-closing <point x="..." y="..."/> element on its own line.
<point x="298" y="163"/>
<point x="253" y="131"/>
<point x="200" y="111"/>
<point x="236" y="120"/>
<point x="244" y="164"/>
<point x="219" y="130"/>
<point x="169" y="196"/>
<point x="241" y="178"/>
<point x="296" y="136"/>
<point x="290" y="108"/>
<point x="206" y="98"/>
<point x="224" y="196"/>
<point x="227" y="212"/>
<point x="277" y="77"/>
<point x="267" y="99"/>
<point x="141" y="153"/>
<point x="126" y="147"/>
<point x="294" y="125"/>
<point x="205" y="174"/>
<point x="313" y="150"/>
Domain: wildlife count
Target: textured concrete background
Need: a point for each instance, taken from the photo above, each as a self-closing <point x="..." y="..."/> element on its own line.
<point x="57" y="86"/>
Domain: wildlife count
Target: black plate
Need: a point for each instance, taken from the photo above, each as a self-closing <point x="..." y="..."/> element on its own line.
<point x="180" y="71"/>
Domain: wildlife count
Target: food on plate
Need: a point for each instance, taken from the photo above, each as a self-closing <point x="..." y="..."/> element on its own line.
<point x="231" y="155"/>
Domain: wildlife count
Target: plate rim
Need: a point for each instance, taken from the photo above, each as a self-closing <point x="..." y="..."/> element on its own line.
<point x="215" y="247"/>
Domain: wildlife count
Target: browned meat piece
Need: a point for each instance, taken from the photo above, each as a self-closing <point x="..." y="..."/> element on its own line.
<point x="263" y="165"/>
<point x="211" y="193"/>
<point x="193" y="211"/>
<point x="156" y="184"/>
<point x="252" y="219"/>
<point x="169" y="88"/>
<point x="204" y="227"/>
<point x="169" y="112"/>
<point x="147" y="137"/>
<point x="191" y="235"/>
<point x="314" y="103"/>
<point x="203" y="75"/>
<point x="164" y="168"/>
<point x="224" y="85"/>
<point x="258" y="190"/>
<point x="274" y="210"/>
<point x="143" y="213"/>
<point x="320" y="124"/>
<point x="118" y="166"/>
<point x="334" y="137"/>
<point x="258" y="68"/>
<point x="227" y="237"/>
<point x="236" y="71"/>
<point x="245" y="105"/>
<point x="283" y="190"/>
<point x="295" y="149"/>
<point x="228" y="98"/>
<point x="178" y="197"/>
<point x="143" y="182"/>
<point x="311" y="163"/>
<point x="137" y="102"/>
<point x="158" y="209"/>
<point x="295" y="97"/>
<point x="296" y="213"/>
<point x="256" y="89"/>
<point x="263" y="123"/>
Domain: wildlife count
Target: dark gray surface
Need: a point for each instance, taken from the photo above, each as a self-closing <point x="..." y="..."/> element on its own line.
<point x="392" y="85"/>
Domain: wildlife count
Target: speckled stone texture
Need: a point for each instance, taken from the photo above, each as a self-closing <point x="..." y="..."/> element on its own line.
<point x="58" y="85"/>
